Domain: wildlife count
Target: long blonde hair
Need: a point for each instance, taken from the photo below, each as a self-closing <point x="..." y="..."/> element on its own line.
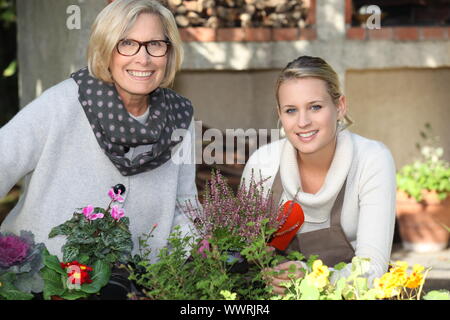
<point x="315" y="67"/>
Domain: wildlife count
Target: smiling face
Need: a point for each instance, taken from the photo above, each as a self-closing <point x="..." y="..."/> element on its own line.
<point x="136" y="76"/>
<point x="309" y="116"/>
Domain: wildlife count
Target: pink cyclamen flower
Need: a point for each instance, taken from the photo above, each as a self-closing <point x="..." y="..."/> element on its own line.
<point x="117" y="213"/>
<point x="88" y="212"/>
<point x="204" y="247"/>
<point x="115" y="197"/>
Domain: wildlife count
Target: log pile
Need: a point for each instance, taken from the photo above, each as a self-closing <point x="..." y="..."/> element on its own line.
<point x="239" y="13"/>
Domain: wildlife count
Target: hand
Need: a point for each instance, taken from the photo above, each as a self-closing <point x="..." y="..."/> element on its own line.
<point x="284" y="275"/>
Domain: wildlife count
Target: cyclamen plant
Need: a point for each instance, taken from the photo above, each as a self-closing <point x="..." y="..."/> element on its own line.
<point x="97" y="240"/>
<point x="95" y="233"/>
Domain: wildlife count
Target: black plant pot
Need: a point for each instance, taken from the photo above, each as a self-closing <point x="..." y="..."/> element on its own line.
<point x="118" y="286"/>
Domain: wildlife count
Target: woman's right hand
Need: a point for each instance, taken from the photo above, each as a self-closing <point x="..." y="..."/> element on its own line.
<point x="281" y="273"/>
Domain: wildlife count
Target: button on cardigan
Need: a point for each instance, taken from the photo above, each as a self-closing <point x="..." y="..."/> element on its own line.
<point x="51" y="145"/>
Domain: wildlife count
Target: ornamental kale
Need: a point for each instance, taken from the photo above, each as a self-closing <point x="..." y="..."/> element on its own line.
<point x="20" y="262"/>
<point x="13" y="250"/>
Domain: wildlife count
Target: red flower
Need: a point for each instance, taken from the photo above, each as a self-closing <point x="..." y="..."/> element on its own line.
<point x="77" y="272"/>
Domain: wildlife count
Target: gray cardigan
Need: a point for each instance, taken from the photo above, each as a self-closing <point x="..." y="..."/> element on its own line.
<point x="52" y="145"/>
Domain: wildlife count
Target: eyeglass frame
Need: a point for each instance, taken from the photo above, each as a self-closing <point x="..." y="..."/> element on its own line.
<point x="143" y="43"/>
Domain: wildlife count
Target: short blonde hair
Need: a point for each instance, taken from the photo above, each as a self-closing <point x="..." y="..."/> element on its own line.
<point x="113" y="23"/>
<point x="314" y="67"/>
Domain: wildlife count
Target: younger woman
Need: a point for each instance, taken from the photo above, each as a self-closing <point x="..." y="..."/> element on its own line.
<point x="344" y="183"/>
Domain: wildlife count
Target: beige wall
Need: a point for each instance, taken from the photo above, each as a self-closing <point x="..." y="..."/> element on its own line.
<point x="387" y="105"/>
<point x="231" y="99"/>
<point x="393" y="105"/>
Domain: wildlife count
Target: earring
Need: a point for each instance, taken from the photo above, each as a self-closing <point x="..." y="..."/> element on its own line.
<point x="282" y="132"/>
<point x="340" y="125"/>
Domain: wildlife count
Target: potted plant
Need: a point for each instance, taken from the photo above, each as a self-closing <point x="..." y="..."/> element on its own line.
<point x="423" y="201"/>
<point x="98" y="241"/>
<point x="227" y="251"/>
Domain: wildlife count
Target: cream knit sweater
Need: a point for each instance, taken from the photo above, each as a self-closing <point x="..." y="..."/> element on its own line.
<point x="368" y="212"/>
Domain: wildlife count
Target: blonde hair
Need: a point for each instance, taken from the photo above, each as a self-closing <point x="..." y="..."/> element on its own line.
<point x="314" y="67"/>
<point x="113" y="23"/>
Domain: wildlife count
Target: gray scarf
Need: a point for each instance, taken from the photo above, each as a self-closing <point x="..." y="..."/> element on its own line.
<point x="116" y="131"/>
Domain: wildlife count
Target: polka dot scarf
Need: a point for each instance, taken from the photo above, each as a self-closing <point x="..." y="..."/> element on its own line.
<point x="116" y="131"/>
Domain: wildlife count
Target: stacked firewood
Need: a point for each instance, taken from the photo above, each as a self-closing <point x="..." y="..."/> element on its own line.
<point x="239" y="13"/>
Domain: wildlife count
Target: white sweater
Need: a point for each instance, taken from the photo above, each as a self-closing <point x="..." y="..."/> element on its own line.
<point x="368" y="212"/>
<point x="50" y="143"/>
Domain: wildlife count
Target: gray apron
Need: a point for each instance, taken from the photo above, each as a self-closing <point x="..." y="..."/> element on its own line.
<point x="330" y="244"/>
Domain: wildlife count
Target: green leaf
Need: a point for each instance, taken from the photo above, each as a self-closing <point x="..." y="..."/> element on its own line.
<point x="361" y="285"/>
<point x="74" y="295"/>
<point x="295" y="255"/>
<point x="10" y="70"/>
<point x="53" y="283"/>
<point x="9" y="291"/>
<point x="83" y="259"/>
<point x="70" y="252"/>
<point x="52" y="262"/>
<point x="437" y="295"/>
<point x="311" y="260"/>
<point x="100" y="277"/>
<point x="340" y="285"/>
<point x="369" y="295"/>
<point x="309" y="292"/>
<point x="340" y="266"/>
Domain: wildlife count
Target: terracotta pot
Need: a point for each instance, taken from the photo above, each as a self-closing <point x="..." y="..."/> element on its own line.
<point x="420" y="223"/>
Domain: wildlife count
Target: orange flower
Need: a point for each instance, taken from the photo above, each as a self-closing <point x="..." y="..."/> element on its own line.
<point x="416" y="279"/>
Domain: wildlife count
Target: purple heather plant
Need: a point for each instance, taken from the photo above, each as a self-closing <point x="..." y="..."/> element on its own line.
<point x="241" y="215"/>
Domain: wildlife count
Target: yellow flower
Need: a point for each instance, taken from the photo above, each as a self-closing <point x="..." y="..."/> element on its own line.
<point x="416" y="279"/>
<point x="386" y="286"/>
<point x="316" y="281"/>
<point x="403" y="265"/>
<point x="418" y="268"/>
<point x="320" y="269"/>
<point x="399" y="271"/>
<point x="319" y="276"/>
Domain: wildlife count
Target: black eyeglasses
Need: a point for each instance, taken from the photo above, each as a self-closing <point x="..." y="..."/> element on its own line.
<point x="155" y="48"/>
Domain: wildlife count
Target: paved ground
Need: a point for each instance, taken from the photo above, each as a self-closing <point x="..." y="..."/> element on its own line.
<point x="439" y="275"/>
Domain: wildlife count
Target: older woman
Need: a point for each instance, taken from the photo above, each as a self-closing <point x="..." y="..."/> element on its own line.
<point x="108" y="124"/>
<point x="345" y="183"/>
